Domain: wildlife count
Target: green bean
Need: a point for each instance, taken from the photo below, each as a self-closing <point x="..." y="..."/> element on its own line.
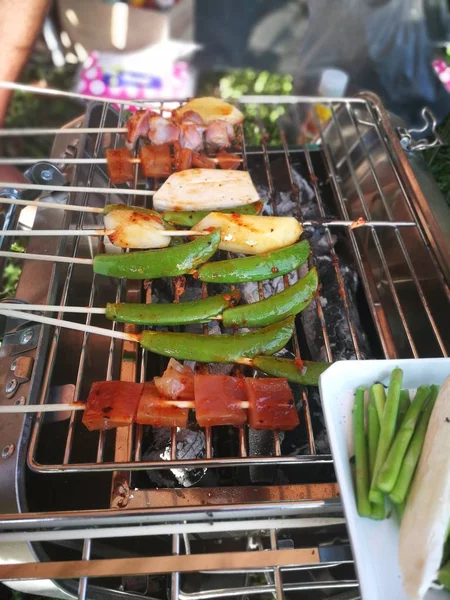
<point x="378" y="397"/>
<point x="256" y="268"/>
<point x="387" y="431"/>
<point x="190" y="218"/>
<point x="219" y="348"/>
<point x="181" y="313"/>
<point x="444" y="575"/>
<point x="361" y="459"/>
<point x="390" y="469"/>
<point x="296" y="371"/>
<point x="167" y="262"/>
<point x="403" y="483"/>
<point x="137" y="209"/>
<point x="373" y="433"/>
<point x="402" y="408"/>
<point x="287" y="303"/>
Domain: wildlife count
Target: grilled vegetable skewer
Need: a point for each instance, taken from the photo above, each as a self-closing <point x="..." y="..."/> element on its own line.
<point x="287" y="303"/>
<point x="252" y="234"/>
<point x="256" y="268"/>
<point x="189" y="346"/>
<point x="219" y="348"/>
<point x="181" y="313"/>
<point x="189" y="218"/>
<point x="265" y="312"/>
<point x="306" y="373"/>
<point x="152" y="264"/>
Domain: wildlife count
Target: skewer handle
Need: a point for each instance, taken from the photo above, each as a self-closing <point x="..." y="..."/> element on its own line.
<point x="93" y="232"/>
<point x="72" y="207"/>
<point x="46" y="257"/>
<point x="37" y="408"/>
<point x="72" y="188"/>
<point x="120" y="335"/>
<point x="53" y="308"/>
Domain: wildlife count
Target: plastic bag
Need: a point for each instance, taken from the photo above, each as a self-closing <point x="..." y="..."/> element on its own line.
<point x="385" y="48"/>
<point x="401" y="52"/>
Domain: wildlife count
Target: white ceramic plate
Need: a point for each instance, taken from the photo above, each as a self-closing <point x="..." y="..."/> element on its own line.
<point x="374" y="543"/>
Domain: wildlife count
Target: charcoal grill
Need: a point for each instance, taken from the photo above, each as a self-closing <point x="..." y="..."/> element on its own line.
<point x="93" y="515"/>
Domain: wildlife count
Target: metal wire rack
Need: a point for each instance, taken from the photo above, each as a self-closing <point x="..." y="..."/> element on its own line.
<point x="402" y="265"/>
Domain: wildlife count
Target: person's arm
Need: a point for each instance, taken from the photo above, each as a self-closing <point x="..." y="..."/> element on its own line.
<point x="20" y="24"/>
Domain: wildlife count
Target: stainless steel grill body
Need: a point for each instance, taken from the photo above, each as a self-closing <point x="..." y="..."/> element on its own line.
<point x="402" y="256"/>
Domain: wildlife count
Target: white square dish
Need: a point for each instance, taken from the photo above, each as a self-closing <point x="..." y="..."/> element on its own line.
<point x="374" y="543"/>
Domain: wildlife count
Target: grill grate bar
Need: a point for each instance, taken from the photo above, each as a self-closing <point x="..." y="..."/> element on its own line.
<point x="80" y="371"/>
<point x="412" y="210"/>
<point x="398" y="235"/>
<point x="305" y="403"/>
<point x="337" y="189"/>
<point x="333" y="254"/>
<point x="55" y="340"/>
<point x="83" y="583"/>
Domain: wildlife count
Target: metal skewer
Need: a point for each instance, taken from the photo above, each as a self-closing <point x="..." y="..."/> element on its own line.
<point x="38" y="131"/>
<point x="39" y="204"/>
<point x="326" y="222"/>
<point x="120" y="335"/>
<point x="72" y="188"/>
<point x="48" y="408"/>
<point x="72" y="161"/>
<point x="93" y="232"/>
<point x="53" y="308"/>
<point x="47" y="257"/>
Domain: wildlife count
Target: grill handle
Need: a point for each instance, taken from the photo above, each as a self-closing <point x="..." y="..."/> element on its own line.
<point x="408" y="137"/>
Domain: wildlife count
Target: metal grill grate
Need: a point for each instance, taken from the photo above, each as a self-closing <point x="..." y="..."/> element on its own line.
<point x="343" y="153"/>
<point x="356" y="170"/>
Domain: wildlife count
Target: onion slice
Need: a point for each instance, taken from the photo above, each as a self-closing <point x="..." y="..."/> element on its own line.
<point x="205" y="189"/>
<point x="425" y="523"/>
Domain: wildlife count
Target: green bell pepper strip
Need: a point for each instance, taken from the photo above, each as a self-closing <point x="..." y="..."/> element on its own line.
<point x="147" y="212"/>
<point x="219" y="348"/>
<point x="151" y="264"/>
<point x="256" y="268"/>
<point x="287" y="303"/>
<point x="182" y="313"/>
<point x="189" y="218"/>
<point x="302" y="372"/>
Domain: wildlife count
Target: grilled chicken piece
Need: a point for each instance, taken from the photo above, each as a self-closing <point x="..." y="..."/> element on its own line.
<point x="156" y="161"/>
<point x="191" y="136"/>
<point x="177" y="381"/>
<point x="191" y="116"/>
<point x="217" y="400"/>
<point x="202" y="162"/>
<point x="151" y="410"/>
<point x="205" y="189"/>
<point x="135" y="228"/>
<point x="211" y="109"/>
<point x="119" y="165"/>
<point x="137" y="126"/>
<point x="182" y="157"/>
<point x="162" y="131"/>
<point x="251" y="234"/>
<point x="219" y="134"/>
<point x="272" y="404"/>
<point x="226" y="160"/>
<point x="111" y="404"/>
